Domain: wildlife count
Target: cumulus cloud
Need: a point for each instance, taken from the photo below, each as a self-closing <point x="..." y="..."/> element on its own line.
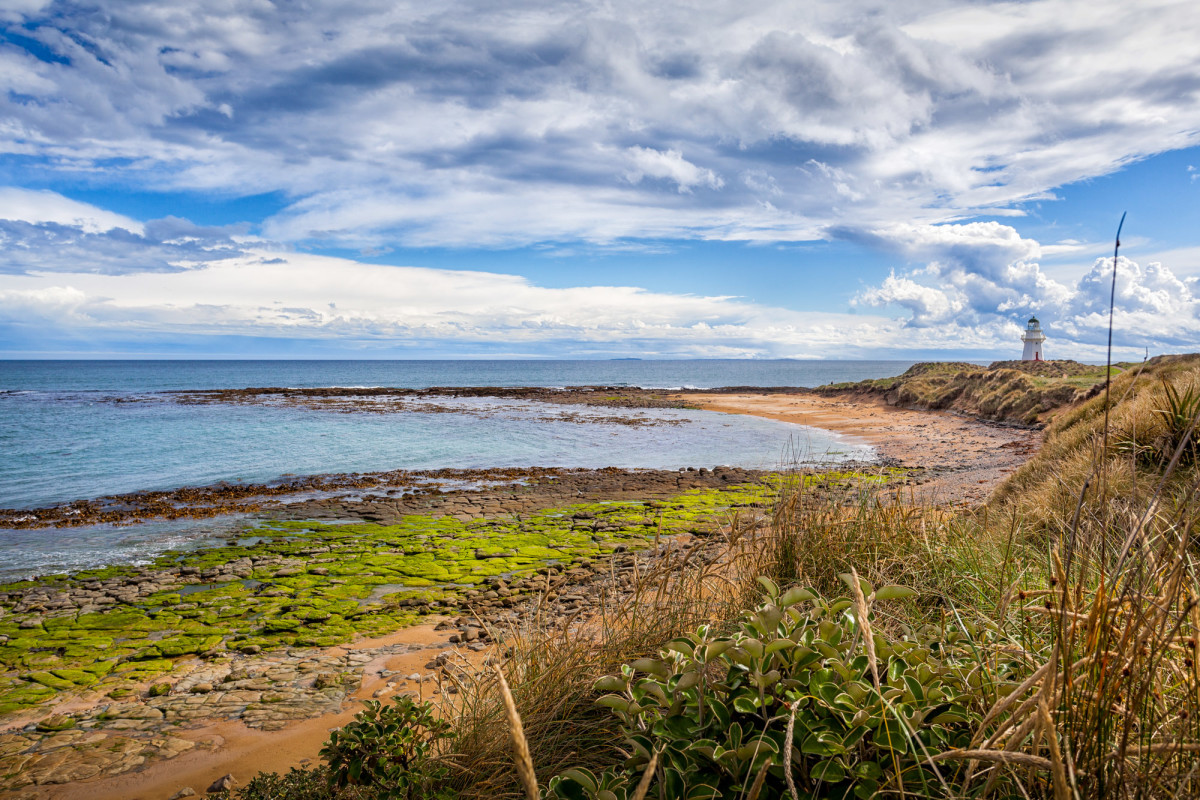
<point x="913" y="111"/>
<point x="928" y="305"/>
<point x="978" y="287"/>
<point x="672" y="166"/>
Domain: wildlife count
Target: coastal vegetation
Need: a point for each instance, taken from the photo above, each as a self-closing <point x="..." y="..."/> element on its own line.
<point x="1023" y="392"/>
<point x="798" y="634"/>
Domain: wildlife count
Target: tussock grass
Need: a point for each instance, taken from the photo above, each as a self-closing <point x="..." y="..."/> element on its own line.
<point x="552" y="667"/>
<point x="1115" y="484"/>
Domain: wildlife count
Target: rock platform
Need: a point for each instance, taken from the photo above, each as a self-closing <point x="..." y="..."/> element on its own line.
<point x="109" y="670"/>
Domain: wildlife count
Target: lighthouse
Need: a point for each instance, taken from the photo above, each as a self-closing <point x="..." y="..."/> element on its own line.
<point x="1033" y="338"/>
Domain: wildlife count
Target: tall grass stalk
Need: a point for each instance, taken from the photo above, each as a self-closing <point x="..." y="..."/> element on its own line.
<point x="1112" y="305"/>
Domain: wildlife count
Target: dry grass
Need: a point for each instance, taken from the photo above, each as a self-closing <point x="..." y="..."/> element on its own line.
<point x="1024" y="392"/>
<point x="1116" y="485"/>
<point x="1083" y="569"/>
<point x="552" y="669"/>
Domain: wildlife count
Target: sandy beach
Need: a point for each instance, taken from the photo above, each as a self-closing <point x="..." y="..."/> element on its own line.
<point x="965" y="458"/>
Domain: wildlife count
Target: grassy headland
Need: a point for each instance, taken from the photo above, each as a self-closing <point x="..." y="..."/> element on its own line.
<point x="1023" y="392"/>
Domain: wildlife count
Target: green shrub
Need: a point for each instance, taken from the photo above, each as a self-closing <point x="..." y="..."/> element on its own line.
<point x="297" y="784"/>
<point x="389" y="749"/>
<point x="715" y="710"/>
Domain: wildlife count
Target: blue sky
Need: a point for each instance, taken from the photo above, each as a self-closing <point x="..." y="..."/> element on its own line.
<point x="241" y="178"/>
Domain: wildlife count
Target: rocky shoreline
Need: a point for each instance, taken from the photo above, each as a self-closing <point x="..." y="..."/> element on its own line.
<point x="112" y="669"/>
<point x="201" y="502"/>
<point x="378" y="399"/>
<point x="374" y="496"/>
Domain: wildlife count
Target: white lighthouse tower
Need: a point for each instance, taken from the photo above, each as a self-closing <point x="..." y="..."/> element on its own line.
<point x="1033" y="338"/>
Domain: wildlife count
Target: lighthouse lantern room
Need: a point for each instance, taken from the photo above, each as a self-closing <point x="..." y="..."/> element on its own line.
<point x="1033" y="338"/>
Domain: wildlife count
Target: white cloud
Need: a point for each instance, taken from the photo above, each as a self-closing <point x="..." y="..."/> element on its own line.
<point x="1184" y="261"/>
<point x="505" y="214"/>
<point x="671" y="165"/>
<point x="46" y="232"/>
<point x="980" y="288"/>
<point x="313" y="297"/>
<point x="1152" y="289"/>
<point x="982" y="246"/>
<point x="620" y="112"/>
<point x="975" y="282"/>
<point x="17" y="9"/>
<point x="52" y="301"/>
<point x="929" y="306"/>
<point x="30" y="205"/>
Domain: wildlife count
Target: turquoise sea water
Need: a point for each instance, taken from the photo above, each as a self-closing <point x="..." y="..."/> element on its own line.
<point x="84" y="429"/>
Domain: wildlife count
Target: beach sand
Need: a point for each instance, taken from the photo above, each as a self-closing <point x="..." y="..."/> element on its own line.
<point x="966" y="458"/>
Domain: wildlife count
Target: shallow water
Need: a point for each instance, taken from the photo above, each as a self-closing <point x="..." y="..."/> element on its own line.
<point x="66" y="446"/>
<point x="51" y="551"/>
<point x="83" y="429"/>
<point x="74" y="430"/>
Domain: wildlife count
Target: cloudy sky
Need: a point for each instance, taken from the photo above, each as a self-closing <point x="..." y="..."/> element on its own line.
<point x="509" y="178"/>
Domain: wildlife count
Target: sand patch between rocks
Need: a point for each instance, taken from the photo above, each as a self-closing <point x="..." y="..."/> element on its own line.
<point x="233" y="748"/>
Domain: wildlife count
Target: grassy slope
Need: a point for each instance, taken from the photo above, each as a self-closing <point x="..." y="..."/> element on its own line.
<point x="1047" y="488"/>
<point x="1022" y="392"/>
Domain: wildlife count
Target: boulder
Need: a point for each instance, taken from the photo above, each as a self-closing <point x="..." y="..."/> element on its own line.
<point x="225" y="783"/>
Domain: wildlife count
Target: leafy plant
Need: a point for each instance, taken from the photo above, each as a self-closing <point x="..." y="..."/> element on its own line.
<point x="803" y="686"/>
<point x="297" y="784"/>
<point x="389" y="748"/>
<point x="1181" y="412"/>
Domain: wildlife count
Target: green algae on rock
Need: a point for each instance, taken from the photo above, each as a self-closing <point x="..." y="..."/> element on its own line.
<point x="307" y="584"/>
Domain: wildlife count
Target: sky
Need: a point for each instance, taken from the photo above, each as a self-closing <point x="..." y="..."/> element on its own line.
<point x="610" y="179"/>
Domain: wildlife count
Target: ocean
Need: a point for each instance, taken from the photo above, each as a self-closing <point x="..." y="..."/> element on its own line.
<point x="83" y="429"/>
